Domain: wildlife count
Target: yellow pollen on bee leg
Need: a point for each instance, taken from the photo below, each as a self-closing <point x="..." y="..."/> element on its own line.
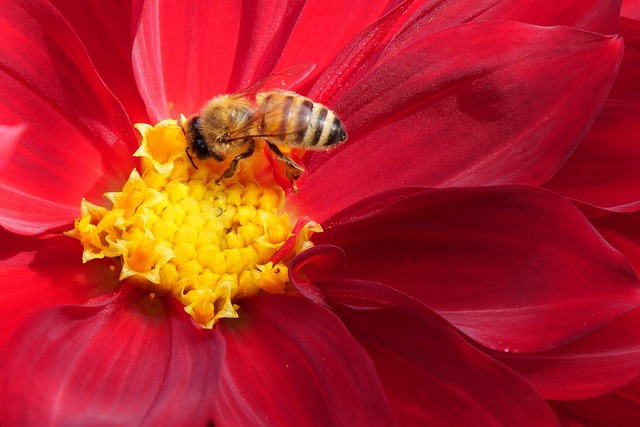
<point x="176" y="232"/>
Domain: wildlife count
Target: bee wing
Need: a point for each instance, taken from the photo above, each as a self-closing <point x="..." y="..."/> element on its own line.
<point x="269" y="120"/>
<point x="282" y="80"/>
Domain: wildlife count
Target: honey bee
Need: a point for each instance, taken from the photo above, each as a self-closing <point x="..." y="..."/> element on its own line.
<point x="228" y="125"/>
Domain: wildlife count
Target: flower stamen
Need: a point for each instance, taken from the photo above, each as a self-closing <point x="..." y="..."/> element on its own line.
<point x="177" y="231"/>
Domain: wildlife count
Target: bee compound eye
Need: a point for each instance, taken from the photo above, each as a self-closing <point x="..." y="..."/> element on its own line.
<point x="201" y="150"/>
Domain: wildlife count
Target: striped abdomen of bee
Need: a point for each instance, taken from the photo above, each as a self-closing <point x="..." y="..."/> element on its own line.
<point x="297" y="121"/>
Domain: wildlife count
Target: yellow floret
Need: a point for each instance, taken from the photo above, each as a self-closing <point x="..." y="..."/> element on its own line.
<point x="177" y="231"/>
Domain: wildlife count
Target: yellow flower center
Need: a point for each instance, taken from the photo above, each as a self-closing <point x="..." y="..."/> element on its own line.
<point x="174" y="230"/>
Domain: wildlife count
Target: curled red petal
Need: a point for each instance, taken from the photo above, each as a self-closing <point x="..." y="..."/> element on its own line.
<point x="513" y="267"/>
<point x="39" y="273"/>
<point x="291" y="362"/>
<point x="442" y="113"/>
<point x="430" y="374"/>
<point x="78" y="139"/>
<point x="598" y="363"/>
<point x="127" y="360"/>
<point x="321" y="259"/>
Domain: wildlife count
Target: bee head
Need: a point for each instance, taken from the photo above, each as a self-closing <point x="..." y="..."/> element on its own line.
<point x="195" y="141"/>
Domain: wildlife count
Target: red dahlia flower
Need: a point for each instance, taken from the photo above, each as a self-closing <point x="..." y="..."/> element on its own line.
<point x="223" y="301"/>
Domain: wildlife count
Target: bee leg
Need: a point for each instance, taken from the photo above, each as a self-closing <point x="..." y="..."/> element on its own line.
<point x="190" y="158"/>
<point x="233" y="167"/>
<point x="293" y="171"/>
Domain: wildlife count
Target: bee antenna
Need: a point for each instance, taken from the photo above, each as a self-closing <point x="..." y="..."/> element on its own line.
<point x="186" y="150"/>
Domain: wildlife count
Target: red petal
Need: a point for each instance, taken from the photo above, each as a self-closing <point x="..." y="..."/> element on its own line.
<point x="604" y="170"/>
<point x="291" y="362"/>
<point x="128" y="360"/>
<point x="105" y="30"/>
<point x="9" y="137"/>
<point x="186" y="53"/>
<point x="627" y="84"/>
<point x="36" y="274"/>
<point x="265" y="28"/>
<point x="446" y="113"/>
<point x="621" y="409"/>
<point x="599" y="16"/>
<point x="317" y="39"/>
<point x="623" y="233"/>
<point x="631" y="9"/>
<point x="598" y="363"/>
<point x="592" y="15"/>
<point x="513" y="267"/>
<point x="431" y="375"/>
<point x="358" y="55"/>
<point x="321" y="259"/>
<point x="78" y="138"/>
